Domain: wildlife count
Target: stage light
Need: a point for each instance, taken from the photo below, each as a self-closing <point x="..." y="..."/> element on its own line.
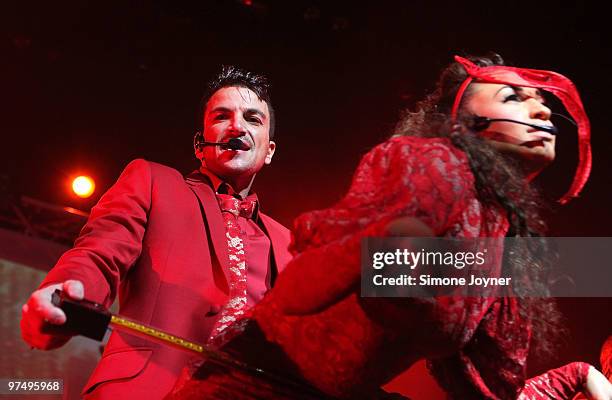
<point x="83" y="186"/>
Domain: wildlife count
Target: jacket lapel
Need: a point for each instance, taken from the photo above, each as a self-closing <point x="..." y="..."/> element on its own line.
<point x="213" y="220"/>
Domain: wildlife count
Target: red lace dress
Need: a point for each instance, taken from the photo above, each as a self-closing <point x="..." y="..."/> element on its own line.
<point x="559" y="383"/>
<point x="347" y="346"/>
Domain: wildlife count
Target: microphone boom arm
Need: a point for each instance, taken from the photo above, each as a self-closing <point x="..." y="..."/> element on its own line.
<point x="482" y="123"/>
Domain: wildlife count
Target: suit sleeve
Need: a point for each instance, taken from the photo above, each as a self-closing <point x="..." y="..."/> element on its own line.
<point x="111" y="240"/>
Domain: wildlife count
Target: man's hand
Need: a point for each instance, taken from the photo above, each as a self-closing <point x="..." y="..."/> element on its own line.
<point x="597" y="387"/>
<point x="39" y="316"/>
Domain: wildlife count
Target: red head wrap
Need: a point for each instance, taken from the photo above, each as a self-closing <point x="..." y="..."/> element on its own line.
<point x="606" y="358"/>
<point x="550" y="81"/>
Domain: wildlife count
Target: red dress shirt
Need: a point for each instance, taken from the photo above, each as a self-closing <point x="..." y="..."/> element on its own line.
<point x="256" y="244"/>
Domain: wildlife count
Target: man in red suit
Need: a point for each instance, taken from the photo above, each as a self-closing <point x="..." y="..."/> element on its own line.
<point x="164" y="244"/>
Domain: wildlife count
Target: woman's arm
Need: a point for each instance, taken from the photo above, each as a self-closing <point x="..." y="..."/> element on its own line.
<point x="567" y="381"/>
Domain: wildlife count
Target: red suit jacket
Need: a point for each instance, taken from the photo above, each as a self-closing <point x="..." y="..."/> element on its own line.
<point x="157" y="240"/>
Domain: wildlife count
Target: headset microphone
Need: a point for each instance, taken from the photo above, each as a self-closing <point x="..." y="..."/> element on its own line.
<point x="482" y="123"/>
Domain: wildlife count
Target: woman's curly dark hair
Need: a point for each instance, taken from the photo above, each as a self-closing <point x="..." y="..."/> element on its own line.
<point x="499" y="182"/>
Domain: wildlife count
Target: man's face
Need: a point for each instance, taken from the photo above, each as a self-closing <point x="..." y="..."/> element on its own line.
<point x="237" y="112"/>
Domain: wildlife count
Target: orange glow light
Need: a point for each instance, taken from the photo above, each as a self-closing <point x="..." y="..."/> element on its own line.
<point x="83" y="186"/>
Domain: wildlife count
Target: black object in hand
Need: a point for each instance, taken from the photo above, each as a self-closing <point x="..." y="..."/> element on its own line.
<point x="83" y="317"/>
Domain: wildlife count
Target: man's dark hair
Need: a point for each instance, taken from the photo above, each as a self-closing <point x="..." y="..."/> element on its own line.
<point x="234" y="76"/>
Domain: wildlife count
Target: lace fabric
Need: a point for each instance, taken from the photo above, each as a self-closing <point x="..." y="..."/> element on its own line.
<point x="345" y="344"/>
<point x="348" y="346"/>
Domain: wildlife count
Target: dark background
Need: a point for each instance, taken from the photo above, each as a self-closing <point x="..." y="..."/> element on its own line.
<point x="88" y="86"/>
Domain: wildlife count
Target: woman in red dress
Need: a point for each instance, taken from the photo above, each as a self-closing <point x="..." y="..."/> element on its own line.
<point x="458" y="167"/>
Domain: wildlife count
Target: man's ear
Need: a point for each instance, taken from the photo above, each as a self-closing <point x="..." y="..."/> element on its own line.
<point x="200" y="155"/>
<point x="271" y="149"/>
